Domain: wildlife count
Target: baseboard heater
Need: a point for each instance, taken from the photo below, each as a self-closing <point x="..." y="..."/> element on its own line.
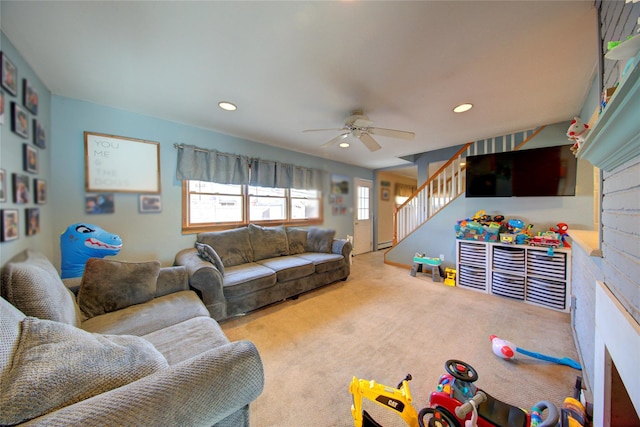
<point x="385" y="245"/>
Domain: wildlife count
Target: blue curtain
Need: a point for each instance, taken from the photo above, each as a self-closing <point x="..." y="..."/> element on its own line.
<point x="212" y="166"/>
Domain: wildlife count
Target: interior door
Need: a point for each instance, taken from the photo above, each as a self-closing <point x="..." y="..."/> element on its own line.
<point x="363" y="227"/>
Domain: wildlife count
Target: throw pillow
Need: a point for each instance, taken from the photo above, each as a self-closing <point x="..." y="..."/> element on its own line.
<point x="297" y="240"/>
<point x="233" y="246"/>
<point x="56" y="365"/>
<point x="207" y="253"/>
<point x="109" y="285"/>
<point x="319" y="239"/>
<point x="268" y="242"/>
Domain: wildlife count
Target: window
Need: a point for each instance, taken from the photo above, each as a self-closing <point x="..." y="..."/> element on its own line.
<point x="208" y="205"/>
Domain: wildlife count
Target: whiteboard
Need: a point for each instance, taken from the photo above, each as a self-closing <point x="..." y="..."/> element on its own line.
<point x="120" y="164"/>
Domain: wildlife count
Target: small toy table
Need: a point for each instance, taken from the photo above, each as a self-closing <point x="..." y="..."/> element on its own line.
<point x="421" y="263"/>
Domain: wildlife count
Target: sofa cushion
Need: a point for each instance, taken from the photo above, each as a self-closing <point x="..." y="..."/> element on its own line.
<point x="32" y="284"/>
<point x="10" y="318"/>
<point x="113" y="285"/>
<point x="289" y="267"/>
<point x="207" y="253"/>
<point x="297" y="238"/>
<point x="268" y="242"/>
<point x="324" y="262"/>
<point x="246" y="279"/>
<point x="233" y="246"/>
<point x="319" y="239"/>
<point x="187" y="339"/>
<point x="141" y="319"/>
<point x="56" y="365"/>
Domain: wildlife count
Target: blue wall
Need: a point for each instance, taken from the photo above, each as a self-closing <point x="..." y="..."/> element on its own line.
<point x="11" y="158"/>
<point x="437" y="236"/>
<point x="158" y="235"/>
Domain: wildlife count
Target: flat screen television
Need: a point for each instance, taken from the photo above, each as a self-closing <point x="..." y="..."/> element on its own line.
<point x="539" y="172"/>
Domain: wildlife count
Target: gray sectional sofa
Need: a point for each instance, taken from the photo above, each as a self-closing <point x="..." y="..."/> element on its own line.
<point x="135" y="348"/>
<point x="239" y="270"/>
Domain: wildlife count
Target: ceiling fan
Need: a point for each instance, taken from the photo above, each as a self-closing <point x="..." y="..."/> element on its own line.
<point x="359" y="126"/>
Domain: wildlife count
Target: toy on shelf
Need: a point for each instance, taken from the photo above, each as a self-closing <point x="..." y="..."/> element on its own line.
<point x="561" y="229"/>
<point x="507" y="351"/>
<point x="458" y="398"/>
<point x="577" y="133"/>
<point x="480" y="227"/>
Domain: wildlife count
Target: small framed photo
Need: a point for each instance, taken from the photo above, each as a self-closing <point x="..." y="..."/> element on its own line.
<point x="384" y="194"/>
<point x="40" y="191"/>
<point x="20" y="120"/>
<point x="30" y="158"/>
<point x="39" y="136"/>
<point x="9" y="224"/>
<point x="150" y="203"/>
<point x="99" y="203"/>
<point x="1" y="107"/>
<point x="3" y="186"/>
<point x="30" y="97"/>
<point x="9" y="75"/>
<point x="33" y="221"/>
<point x="20" y="189"/>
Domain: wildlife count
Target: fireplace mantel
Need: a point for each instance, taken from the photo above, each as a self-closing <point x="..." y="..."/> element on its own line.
<point x="615" y="137"/>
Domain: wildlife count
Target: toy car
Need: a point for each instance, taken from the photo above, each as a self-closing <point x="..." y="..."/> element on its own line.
<point x="458" y="399"/>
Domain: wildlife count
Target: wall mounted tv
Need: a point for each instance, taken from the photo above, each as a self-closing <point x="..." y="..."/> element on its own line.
<point x="549" y="171"/>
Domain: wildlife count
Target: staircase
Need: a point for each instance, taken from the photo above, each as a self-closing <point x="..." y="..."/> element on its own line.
<point x="449" y="182"/>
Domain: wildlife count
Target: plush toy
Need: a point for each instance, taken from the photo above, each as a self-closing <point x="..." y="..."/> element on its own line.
<point x="83" y="241"/>
<point x="577" y="132"/>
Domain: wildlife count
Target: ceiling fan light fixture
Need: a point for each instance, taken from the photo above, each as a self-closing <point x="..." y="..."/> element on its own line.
<point x="228" y="106"/>
<point x="463" y="107"/>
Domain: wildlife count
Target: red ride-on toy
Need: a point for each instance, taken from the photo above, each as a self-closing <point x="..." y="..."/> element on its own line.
<point x="467" y="405"/>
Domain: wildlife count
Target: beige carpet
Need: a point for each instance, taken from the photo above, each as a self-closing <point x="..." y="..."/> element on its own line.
<point x="382" y="324"/>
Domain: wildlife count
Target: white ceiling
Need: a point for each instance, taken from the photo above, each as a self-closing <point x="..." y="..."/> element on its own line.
<point x="295" y="65"/>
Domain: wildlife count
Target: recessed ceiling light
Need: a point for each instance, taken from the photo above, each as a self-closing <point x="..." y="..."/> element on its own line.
<point x="227" y="106"/>
<point x="462" y="108"/>
<point x="344" y="145"/>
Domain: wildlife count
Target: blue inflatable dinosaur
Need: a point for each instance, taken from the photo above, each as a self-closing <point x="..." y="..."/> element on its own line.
<point x="83" y="241"/>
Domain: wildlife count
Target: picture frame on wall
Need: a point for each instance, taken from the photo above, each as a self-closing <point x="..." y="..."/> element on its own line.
<point x="150" y="203"/>
<point x="101" y="203"/>
<point x="9" y="74"/>
<point x="3" y="186"/>
<point x="9" y="223"/>
<point x="1" y="107"/>
<point x="20" y="188"/>
<point x="40" y="191"/>
<point x="117" y="163"/>
<point x="385" y="194"/>
<point x="39" y="135"/>
<point x="33" y="221"/>
<point x="20" y="120"/>
<point x="30" y="158"/>
<point x="30" y="97"/>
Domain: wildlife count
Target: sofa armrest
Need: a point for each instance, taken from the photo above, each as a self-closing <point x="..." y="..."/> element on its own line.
<point x="199" y="391"/>
<point x="205" y="279"/>
<point x="172" y="279"/>
<point x="342" y="247"/>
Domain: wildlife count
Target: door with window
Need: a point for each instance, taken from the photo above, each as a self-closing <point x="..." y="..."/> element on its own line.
<point x="363" y="226"/>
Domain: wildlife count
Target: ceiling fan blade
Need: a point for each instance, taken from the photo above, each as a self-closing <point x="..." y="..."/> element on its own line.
<point x="369" y="142"/>
<point x="334" y="140"/>
<point x="392" y="133"/>
<point x="318" y="130"/>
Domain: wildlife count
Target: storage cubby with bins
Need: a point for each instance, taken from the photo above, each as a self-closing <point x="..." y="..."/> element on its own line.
<point x="521" y="272"/>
